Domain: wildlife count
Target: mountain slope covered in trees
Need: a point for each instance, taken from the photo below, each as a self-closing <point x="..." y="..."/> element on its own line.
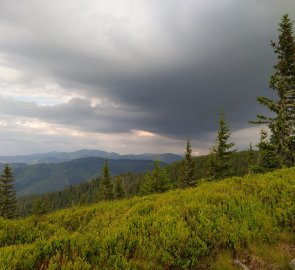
<point x="85" y="192"/>
<point x="60" y="157"/>
<point x="42" y="178"/>
<point x="197" y="228"/>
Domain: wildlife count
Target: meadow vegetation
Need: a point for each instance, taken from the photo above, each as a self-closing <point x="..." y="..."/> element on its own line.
<point x="205" y="226"/>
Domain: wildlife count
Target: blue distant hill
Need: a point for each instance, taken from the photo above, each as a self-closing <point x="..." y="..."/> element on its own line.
<point x="45" y="177"/>
<point x="59" y="157"/>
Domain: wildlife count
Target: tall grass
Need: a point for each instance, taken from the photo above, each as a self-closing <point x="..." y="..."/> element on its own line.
<point x="174" y="230"/>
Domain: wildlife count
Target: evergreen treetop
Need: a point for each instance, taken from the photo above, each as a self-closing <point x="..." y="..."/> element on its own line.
<point x="220" y="166"/>
<point x="156" y="181"/>
<point x="282" y="81"/>
<point x="187" y="178"/>
<point x="106" y="187"/>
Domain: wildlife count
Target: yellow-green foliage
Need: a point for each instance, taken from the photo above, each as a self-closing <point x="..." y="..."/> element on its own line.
<point x="171" y="230"/>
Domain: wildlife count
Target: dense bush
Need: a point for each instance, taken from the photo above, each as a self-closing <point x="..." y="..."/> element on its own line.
<point x="171" y="230"/>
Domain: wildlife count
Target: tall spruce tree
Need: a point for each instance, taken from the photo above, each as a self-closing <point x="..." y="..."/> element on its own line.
<point x="187" y="179"/>
<point x="282" y="81"/>
<point x="105" y="191"/>
<point x="7" y="194"/>
<point x="221" y="153"/>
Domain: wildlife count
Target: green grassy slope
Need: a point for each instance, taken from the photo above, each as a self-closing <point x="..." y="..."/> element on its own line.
<point x="180" y="229"/>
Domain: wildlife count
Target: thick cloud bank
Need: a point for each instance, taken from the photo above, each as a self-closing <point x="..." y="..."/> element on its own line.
<point x="132" y="76"/>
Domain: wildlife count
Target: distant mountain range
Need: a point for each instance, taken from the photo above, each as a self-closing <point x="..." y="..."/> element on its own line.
<point x="42" y="178"/>
<point x="59" y="157"/>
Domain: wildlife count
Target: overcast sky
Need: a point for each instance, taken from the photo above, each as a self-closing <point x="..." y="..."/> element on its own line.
<point x="132" y="76"/>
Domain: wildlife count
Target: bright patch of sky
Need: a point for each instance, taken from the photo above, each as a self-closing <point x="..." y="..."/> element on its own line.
<point x="40" y="93"/>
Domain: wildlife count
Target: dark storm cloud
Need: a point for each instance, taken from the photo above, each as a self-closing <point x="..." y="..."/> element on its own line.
<point x="77" y="113"/>
<point x="169" y="75"/>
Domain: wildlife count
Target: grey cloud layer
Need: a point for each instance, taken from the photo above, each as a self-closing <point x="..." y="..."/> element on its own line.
<point x="169" y="65"/>
<point x="77" y="113"/>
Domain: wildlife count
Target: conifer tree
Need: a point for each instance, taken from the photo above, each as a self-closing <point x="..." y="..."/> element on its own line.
<point x="7" y="194"/>
<point x="268" y="158"/>
<point x="282" y="81"/>
<point x="187" y="178"/>
<point x="160" y="178"/>
<point x="156" y="181"/>
<point x="40" y="206"/>
<point x="146" y="187"/>
<point x="106" y="187"/>
<point x="83" y="199"/>
<point x="251" y="159"/>
<point x="119" y="189"/>
<point x="221" y="153"/>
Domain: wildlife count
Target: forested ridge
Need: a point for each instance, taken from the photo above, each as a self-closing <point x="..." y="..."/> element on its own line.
<point x="86" y="192"/>
<point x="43" y="178"/>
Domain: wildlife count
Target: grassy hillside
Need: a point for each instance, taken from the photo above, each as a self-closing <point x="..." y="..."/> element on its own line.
<point x="199" y="228"/>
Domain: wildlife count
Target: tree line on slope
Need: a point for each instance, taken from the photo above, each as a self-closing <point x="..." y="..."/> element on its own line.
<point x="275" y="151"/>
<point x="132" y="184"/>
